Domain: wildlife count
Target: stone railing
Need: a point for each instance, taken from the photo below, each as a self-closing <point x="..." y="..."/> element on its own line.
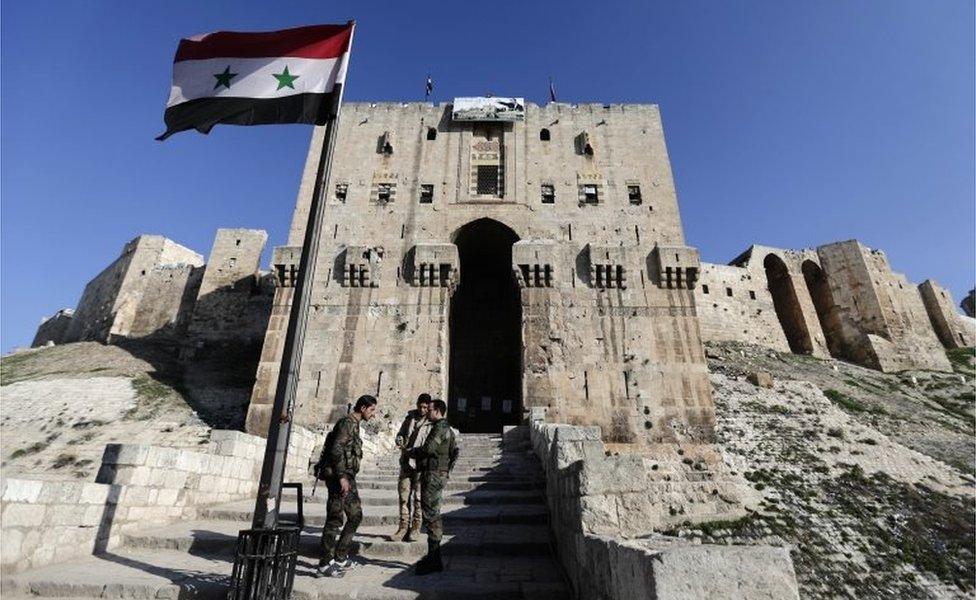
<point x="604" y="510"/>
<point x="45" y="522"/>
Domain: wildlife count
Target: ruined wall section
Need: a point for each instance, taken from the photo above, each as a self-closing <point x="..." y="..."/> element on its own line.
<point x="234" y="299"/>
<point x="167" y="301"/>
<point x="634" y="349"/>
<point x="112" y="301"/>
<point x="952" y="328"/>
<point x="54" y="328"/>
<point x="734" y="305"/>
<point x="882" y="308"/>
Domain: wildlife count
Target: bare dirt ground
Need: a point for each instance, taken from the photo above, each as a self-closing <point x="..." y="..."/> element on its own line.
<point x="60" y="405"/>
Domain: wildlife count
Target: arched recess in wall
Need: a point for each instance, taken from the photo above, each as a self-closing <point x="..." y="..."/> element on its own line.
<point x="485" y="370"/>
<point x="823" y="301"/>
<point x="787" y="305"/>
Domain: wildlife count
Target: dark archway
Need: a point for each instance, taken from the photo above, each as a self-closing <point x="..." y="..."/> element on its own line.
<point x="823" y="302"/>
<point x="787" y="305"/>
<point x="485" y="377"/>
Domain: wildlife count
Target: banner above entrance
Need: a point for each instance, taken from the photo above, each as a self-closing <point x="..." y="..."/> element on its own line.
<point x="488" y="109"/>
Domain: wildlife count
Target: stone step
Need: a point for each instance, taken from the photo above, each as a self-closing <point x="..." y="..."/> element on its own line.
<point x="391" y="484"/>
<point x="372" y="497"/>
<point x="130" y="573"/>
<point x="220" y="537"/>
<point x="455" y="514"/>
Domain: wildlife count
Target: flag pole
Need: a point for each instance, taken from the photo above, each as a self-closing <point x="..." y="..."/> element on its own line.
<point x="268" y="502"/>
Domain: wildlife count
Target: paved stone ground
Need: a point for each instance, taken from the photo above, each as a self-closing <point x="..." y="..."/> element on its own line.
<point x="496" y="544"/>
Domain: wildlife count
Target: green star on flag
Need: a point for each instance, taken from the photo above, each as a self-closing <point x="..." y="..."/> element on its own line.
<point x="223" y="79"/>
<point x="285" y="79"/>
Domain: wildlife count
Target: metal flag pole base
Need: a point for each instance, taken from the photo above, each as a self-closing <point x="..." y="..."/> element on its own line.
<point x="264" y="564"/>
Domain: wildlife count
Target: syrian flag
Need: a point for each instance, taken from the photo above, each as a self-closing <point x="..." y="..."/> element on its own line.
<point x="430" y="86"/>
<point x="234" y="78"/>
<point x="552" y="91"/>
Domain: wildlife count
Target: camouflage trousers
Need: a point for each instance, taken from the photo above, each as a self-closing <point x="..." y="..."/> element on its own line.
<point x="431" y="487"/>
<point x="408" y="488"/>
<point x="336" y="508"/>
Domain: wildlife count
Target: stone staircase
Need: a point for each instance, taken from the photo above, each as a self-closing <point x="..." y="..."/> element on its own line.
<point x="496" y="543"/>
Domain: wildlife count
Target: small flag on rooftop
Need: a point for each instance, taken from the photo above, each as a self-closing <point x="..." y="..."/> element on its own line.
<point x="236" y="78"/>
<point x="552" y="91"/>
<point x="430" y="87"/>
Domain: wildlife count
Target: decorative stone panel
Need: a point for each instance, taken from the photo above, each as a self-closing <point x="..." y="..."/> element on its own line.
<point x="285" y="260"/>
<point x="676" y="267"/>
<point x="607" y="266"/>
<point x="361" y="267"/>
<point x="434" y="265"/>
<point x="533" y="263"/>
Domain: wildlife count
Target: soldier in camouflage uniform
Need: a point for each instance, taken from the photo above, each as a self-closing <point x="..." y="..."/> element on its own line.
<point x="338" y="467"/>
<point x="436" y="458"/>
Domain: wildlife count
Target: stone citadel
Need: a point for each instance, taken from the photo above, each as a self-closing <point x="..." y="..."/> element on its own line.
<point x="535" y="274"/>
<point x="510" y="266"/>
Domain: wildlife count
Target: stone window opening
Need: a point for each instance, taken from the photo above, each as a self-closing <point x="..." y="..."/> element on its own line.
<point x="590" y="195"/>
<point x="238" y="243"/>
<point x="487" y="179"/>
<point x="431" y="133"/>
<point x="634" y="194"/>
<point x="544" y="135"/>
<point x="427" y="193"/>
<point x="752" y="295"/>
<point x="384" y="193"/>
<point x="548" y="193"/>
<point x="341" y="190"/>
<point x="728" y="292"/>
<point x="704" y="289"/>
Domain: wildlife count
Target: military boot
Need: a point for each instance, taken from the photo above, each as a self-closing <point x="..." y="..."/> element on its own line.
<point x="414" y="534"/>
<point x="432" y="562"/>
<point x="401" y="530"/>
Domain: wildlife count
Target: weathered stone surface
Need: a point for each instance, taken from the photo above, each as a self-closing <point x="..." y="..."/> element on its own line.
<point x="760" y="379"/>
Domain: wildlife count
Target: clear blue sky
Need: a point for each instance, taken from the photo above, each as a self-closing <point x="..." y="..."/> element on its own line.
<point x="788" y="123"/>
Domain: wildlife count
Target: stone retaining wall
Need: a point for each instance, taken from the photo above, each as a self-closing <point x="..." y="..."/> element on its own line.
<point x="605" y="508"/>
<point x="45" y="522"/>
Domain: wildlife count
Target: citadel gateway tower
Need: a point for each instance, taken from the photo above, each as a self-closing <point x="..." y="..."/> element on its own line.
<point x="520" y="258"/>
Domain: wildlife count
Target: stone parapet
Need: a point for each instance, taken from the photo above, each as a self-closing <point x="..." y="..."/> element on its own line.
<point x="603" y="507"/>
<point x="46" y="522"/>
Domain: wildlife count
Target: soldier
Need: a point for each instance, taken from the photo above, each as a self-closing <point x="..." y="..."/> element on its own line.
<point x="437" y="457"/>
<point x="412" y="434"/>
<point x="338" y="467"/>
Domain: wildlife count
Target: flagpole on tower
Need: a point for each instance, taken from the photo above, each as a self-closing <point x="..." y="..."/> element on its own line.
<point x="268" y="501"/>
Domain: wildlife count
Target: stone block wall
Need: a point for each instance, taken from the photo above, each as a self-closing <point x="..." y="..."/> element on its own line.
<point x="140" y="290"/>
<point x="886" y="324"/>
<point x="604" y="510"/>
<point x="167" y="302"/>
<point x="234" y="298"/>
<point x="952" y="328"/>
<point x="54" y="328"/>
<point x="46" y="522"/>
<point x="734" y="305"/>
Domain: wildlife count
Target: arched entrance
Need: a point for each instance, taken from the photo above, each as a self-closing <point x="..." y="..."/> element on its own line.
<point x="823" y="302"/>
<point x="485" y="377"/>
<point x="787" y="305"/>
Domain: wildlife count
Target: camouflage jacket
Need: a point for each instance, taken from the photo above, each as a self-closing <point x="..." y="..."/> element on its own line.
<point x="346" y="448"/>
<point x="440" y="449"/>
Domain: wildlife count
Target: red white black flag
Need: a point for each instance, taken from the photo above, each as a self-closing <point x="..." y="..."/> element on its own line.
<point x="235" y="78"/>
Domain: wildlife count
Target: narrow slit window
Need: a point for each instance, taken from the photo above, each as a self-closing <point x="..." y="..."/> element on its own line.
<point x="342" y="189"/>
<point x="752" y="295"/>
<point x="544" y="135"/>
<point x="427" y="193"/>
<point x="431" y="133"/>
<point x="548" y="193"/>
<point x="704" y="289"/>
<point x="728" y="292"/>
<point x="634" y="194"/>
